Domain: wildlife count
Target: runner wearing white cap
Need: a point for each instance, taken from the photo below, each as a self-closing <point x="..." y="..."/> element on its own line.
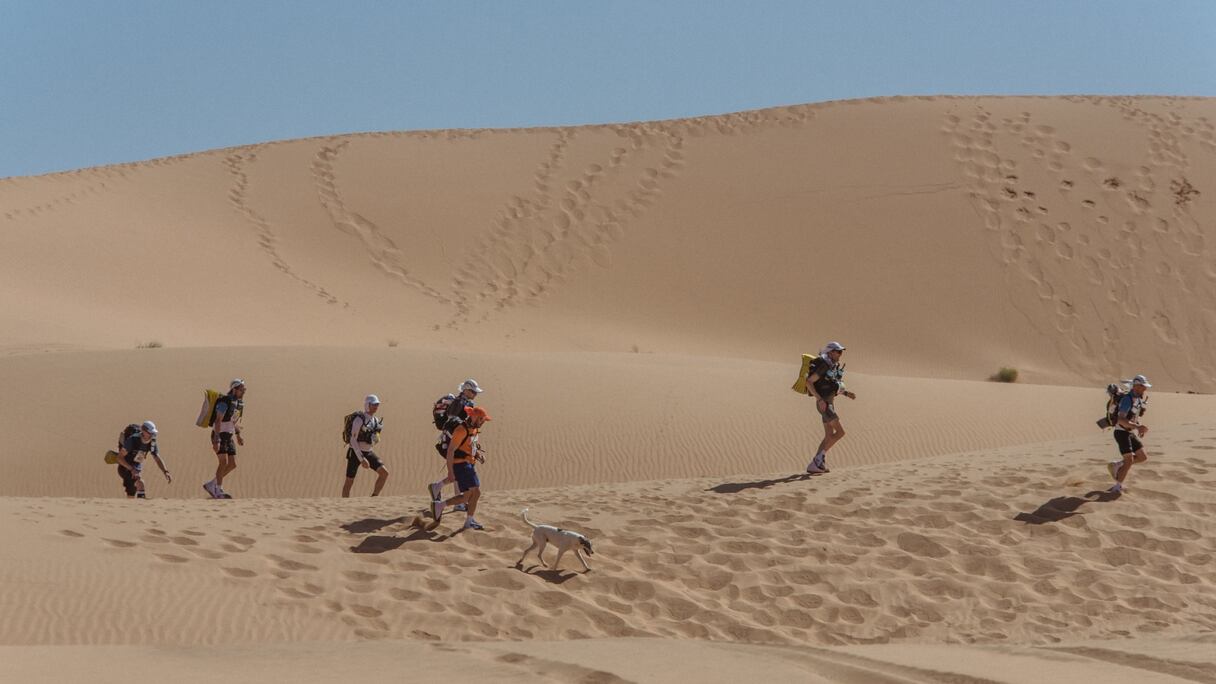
<point x="226" y="427"/>
<point x="824" y="382"/>
<point x="364" y="434"/>
<point x="135" y="444"/>
<point x="455" y="415"/>
<point x="1131" y="409"/>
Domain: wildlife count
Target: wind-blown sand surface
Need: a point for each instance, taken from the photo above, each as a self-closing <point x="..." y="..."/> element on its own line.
<point x="634" y="298"/>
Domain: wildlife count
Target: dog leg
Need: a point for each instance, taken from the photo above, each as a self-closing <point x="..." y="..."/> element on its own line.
<point x="543" y="543"/>
<point x="560" y="550"/>
<point x="579" y="554"/>
<point x="528" y="550"/>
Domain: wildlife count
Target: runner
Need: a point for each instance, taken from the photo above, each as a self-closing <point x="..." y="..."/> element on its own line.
<point x="1131" y="408"/>
<point x="135" y="443"/>
<point x="226" y="428"/>
<point x="364" y="434"/>
<point x="825" y="382"/>
<point x="455" y="415"/>
<point x="462" y="452"/>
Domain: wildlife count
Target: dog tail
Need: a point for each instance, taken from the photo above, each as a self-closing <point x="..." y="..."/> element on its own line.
<point x="524" y="514"/>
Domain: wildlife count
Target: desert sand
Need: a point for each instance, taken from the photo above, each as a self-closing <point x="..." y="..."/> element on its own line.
<point x="635" y="299"/>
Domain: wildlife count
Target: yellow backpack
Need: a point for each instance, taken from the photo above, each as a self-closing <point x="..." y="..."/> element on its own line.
<point x="800" y="383"/>
<point x="206" y="415"/>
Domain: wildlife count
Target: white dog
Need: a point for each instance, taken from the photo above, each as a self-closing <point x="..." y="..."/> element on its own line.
<point x="564" y="540"/>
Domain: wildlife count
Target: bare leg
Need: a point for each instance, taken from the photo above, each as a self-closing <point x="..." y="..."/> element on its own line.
<point x="383" y="477"/>
<point x="350" y="481"/>
<point x="474" y="495"/>
<point x="1128" y="459"/>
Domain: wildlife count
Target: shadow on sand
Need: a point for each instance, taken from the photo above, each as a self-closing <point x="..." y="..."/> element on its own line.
<point x="736" y="487"/>
<point x="1063" y="507"/>
<point x="371" y="525"/>
<point x="551" y="576"/>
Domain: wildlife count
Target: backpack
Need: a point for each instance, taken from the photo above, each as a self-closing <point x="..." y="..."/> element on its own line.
<point x="371" y="427"/>
<point x="440" y="409"/>
<point x="127" y="433"/>
<point x="206" y="414"/>
<point x="800" y="383"/>
<point x="1114" y="394"/>
<point x="350" y="418"/>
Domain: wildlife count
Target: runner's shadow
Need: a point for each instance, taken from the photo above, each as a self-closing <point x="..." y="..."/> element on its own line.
<point x="736" y="487"/>
<point x="370" y="525"/>
<point x="1063" y="507"/>
<point x="382" y="543"/>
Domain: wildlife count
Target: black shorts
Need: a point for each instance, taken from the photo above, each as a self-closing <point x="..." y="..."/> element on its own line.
<point x="128" y="479"/>
<point x="226" y="444"/>
<point x="1128" y="443"/>
<point x="352" y="462"/>
<point x="828" y="413"/>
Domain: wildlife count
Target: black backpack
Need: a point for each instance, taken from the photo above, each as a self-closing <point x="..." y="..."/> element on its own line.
<point x="370" y="425"/>
<point x="1114" y="395"/>
<point x="128" y="431"/>
<point x="439" y="412"/>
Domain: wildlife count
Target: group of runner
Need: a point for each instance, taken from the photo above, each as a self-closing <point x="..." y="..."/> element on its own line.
<point x="459" y="424"/>
<point x="825" y="381"/>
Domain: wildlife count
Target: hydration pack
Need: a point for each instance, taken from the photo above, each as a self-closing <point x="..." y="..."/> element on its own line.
<point x="127" y="432"/>
<point x="1114" y="396"/>
<point x="439" y="412"/>
<point x="368" y="434"/>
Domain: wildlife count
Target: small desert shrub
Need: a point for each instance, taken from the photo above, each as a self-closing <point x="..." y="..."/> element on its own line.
<point x="393" y="343"/>
<point x="1006" y="374"/>
<point x="150" y="345"/>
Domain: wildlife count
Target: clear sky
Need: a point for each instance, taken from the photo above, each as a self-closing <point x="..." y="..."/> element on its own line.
<point x="88" y="82"/>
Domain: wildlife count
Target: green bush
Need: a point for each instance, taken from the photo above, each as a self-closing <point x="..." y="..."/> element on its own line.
<point x="1006" y="374"/>
<point x="149" y="345"/>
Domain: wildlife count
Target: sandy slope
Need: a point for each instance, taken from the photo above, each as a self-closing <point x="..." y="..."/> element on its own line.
<point x="634" y="297"/>
<point x="559" y="419"/>
<point x="991" y="547"/>
<point x="1070" y="235"/>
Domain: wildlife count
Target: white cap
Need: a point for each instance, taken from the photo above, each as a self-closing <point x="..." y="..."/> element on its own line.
<point x="470" y="384"/>
<point x="834" y="346"/>
<point x="149" y="427"/>
<point x="371" y="400"/>
<point x="1140" y="380"/>
<point x="236" y="382"/>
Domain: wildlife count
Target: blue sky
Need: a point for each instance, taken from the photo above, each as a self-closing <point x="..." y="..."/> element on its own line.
<point x="94" y="82"/>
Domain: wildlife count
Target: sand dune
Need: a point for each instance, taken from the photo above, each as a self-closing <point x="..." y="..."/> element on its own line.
<point x="559" y="419"/>
<point x="635" y="299"/>
<point x="746" y="235"/>
<point x="993" y="547"/>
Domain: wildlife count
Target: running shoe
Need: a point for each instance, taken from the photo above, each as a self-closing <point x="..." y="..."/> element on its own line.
<point x="472" y="524"/>
<point x="460" y="507"/>
<point x="210" y="488"/>
<point x="814" y="469"/>
<point x="436" y="510"/>
<point x="435" y="489"/>
<point x="1117" y="489"/>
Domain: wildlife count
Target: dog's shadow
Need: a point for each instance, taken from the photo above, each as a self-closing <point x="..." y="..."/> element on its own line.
<point x="551" y="575"/>
<point x="736" y="487"/>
